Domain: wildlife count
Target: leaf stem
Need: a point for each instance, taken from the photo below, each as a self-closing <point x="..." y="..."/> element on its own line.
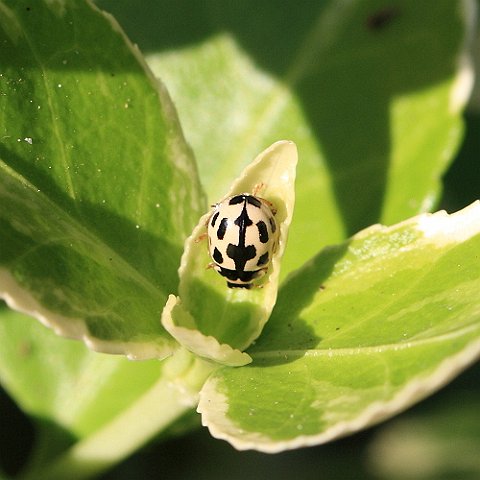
<point x="168" y="399"/>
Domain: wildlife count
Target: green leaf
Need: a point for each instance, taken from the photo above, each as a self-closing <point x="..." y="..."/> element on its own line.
<point x="184" y="328"/>
<point x="370" y="92"/>
<point x="98" y="189"/>
<point x="45" y="374"/>
<point x="91" y="409"/>
<point x="360" y="333"/>
<point x="209" y="318"/>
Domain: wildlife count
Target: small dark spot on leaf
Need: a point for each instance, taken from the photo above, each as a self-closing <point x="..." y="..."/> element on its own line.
<point x="382" y="18"/>
<point x="25" y="349"/>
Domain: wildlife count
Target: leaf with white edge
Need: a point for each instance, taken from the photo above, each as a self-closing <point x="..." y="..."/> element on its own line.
<point x="358" y="334"/>
<point x="181" y="325"/>
<point x="234" y="317"/>
<point x="98" y="189"/>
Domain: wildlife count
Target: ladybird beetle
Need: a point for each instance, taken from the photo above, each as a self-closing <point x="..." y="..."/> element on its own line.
<point x="242" y="237"/>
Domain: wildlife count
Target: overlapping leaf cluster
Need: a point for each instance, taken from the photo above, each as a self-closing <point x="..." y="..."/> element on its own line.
<point x="99" y="191"/>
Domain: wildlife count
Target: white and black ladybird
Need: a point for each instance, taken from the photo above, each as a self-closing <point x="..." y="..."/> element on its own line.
<point x="242" y="237"/>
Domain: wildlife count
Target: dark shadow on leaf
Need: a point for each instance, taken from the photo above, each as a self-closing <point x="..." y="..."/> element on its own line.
<point x="462" y="182"/>
<point x="346" y="88"/>
<point x="236" y="321"/>
<point x="50" y="142"/>
<point x="17" y="433"/>
<point x="28" y="441"/>
<point x="51" y="442"/>
<point x="153" y="257"/>
<point x="287" y="337"/>
<point x="76" y="257"/>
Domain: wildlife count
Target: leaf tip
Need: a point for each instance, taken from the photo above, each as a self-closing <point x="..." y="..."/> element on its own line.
<point x="443" y="228"/>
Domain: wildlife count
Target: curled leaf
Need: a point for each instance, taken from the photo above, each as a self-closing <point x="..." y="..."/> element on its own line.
<point x="234" y="317"/>
<point x="181" y="325"/>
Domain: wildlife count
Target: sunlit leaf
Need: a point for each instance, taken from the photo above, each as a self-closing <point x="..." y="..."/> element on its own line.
<point x="360" y="333"/>
<point x="98" y="189"/>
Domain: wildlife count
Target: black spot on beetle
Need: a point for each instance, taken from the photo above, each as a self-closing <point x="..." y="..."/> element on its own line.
<point x="382" y="18"/>
<point x="214" y="219"/>
<point x="241" y="279"/>
<point x="263" y="260"/>
<point x="243" y="221"/>
<point x="253" y="201"/>
<point x="236" y="276"/>
<point x="237" y="199"/>
<point x="240" y="255"/>
<point x="239" y="276"/>
<point x="262" y="231"/>
<point x="273" y="224"/>
<point x="222" y="228"/>
<point x="239" y="285"/>
<point x="217" y="256"/>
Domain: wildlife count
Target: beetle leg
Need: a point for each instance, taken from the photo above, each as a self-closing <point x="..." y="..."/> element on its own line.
<point x="257" y="188"/>
<point x="269" y="204"/>
<point x="201" y="237"/>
